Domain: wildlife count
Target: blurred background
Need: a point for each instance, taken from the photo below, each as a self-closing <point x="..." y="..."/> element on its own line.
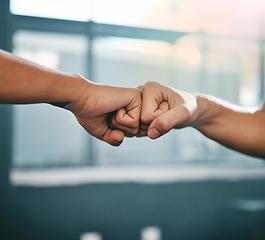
<point x="60" y="183"/>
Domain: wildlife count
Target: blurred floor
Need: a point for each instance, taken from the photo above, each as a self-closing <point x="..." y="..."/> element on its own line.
<point x="208" y="209"/>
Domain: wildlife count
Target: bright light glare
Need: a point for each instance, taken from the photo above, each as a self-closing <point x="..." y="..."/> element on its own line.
<point x="90" y="236"/>
<point x="75" y="10"/>
<point x="248" y="96"/>
<point x="151" y="233"/>
<point x="188" y="53"/>
<point x="137" y="13"/>
<point x="46" y="58"/>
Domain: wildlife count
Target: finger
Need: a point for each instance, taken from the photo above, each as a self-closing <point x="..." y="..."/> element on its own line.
<point x="152" y="97"/>
<point x="163" y="107"/>
<point x="144" y="126"/>
<point x="168" y="120"/>
<point x="125" y="102"/>
<point x="133" y="109"/>
<point x="113" y="137"/>
<point x="129" y="135"/>
<point x="115" y="125"/>
<point x="127" y="119"/>
<point x="141" y="133"/>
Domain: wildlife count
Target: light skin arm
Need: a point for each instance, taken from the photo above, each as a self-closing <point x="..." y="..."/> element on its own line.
<point x="241" y="130"/>
<point x="235" y="128"/>
<point x="24" y="82"/>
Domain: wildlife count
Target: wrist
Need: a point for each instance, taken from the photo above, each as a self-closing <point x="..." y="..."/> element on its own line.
<point x="207" y="112"/>
<point x="76" y="92"/>
<point x="200" y="116"/>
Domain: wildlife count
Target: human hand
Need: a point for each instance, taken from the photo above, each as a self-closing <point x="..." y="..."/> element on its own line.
<point x="102" y="106"/>
<point x="164" y="108"/>
<point x="92" y="104"/>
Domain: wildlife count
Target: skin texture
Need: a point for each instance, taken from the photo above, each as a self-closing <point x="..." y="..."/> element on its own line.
<point x="229" y="125"/>
<point x="111" y="113"/>
<point x="24" y="82"/>
<point x="104" y="103"/>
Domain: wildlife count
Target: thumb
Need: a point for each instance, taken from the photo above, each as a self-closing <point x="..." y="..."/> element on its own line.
<point x="113" y="137"/>
<point x="168" y="120"/>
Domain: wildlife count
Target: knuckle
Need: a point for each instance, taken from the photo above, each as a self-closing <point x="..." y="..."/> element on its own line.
<point x="153" y="85"/>
<point x="133" y="131"/>
<point x="146" y="118"/>
<point x="113" y="120"/>
<point x="144" y="126"/>
<point x="163" y="125"/>
<point x="113" y="123"/>
<point x="136" y="93"/>
<point x="130" y="123"/>
<point x="141" y="133"/>
<point x="135" y="124"/>
<point x="150" y="84"/>
<point x="118" y="119"/>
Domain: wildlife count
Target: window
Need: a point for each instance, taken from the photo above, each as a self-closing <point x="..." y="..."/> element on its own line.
<point x="53" y="133"/>
<point x="215" y="49"/>
<point x="72" y="10"/>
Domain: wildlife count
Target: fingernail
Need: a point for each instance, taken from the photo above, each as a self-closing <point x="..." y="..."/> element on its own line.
<point x="154" y="133"/>
<point x="119" y="142"/>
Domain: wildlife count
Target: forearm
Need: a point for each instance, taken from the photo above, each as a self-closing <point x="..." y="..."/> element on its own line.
<point x="22" y="81"/>
<point x="237" y="129"/>
<point x="93" y="105"/>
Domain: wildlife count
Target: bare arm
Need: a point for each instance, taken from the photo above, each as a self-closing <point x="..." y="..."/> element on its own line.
<point x="22" y="81"/>
<point x="235" y="128"/>
<point x="229" y="125"/>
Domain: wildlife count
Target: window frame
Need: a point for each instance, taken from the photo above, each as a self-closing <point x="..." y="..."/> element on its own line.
<point x="92" y="30"/>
